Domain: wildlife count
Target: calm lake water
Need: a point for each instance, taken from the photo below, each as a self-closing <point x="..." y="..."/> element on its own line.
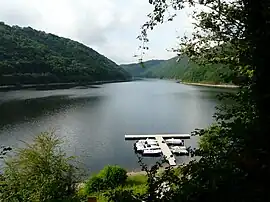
<point x="94" y="121"/>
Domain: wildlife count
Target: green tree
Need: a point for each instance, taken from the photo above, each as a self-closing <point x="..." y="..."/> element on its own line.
<point x="40" y="172"/>
<point x="113" y="175"/>
<point x="234" y="164"/>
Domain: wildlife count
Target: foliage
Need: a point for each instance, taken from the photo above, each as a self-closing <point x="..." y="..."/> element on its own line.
<point x="28" y="56"/>
<point x="94" y="184"/>
<point x="135" y="184"/>
<point x="211" y="141"/>
<point x="136" y="179"/>
<point x="155" y="189"/>
<point x="215" y="73"/>
<point x="113" y="176"/>
<point x="40" y="172"/>
<point x="108" y="178"/>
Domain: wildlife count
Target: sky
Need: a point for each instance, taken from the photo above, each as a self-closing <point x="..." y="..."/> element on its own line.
<point x="108" y="26"/>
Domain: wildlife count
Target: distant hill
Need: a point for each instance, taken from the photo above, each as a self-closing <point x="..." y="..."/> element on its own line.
<point x="137" y="69"/>
<point x="28" y="56"/>
<point x="173" y="68"/>
<point x="184" y="69"/>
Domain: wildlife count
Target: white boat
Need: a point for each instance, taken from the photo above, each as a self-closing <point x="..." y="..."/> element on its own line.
<point x="139" y="143"/>
<point x="142" y="145"/>
<point x="149" y="146"/>
<point x="147" y="141"/>
<point x="151" y="141"/>
<point x="179" y="150"/>
<point x="173" y="141"/>
<point x="152" y="152"/>
<point x="139" y="147"/>
<point x="182" y="147"/>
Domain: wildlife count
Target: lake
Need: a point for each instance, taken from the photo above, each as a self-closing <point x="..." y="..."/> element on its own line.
<point x="93" y="121"/>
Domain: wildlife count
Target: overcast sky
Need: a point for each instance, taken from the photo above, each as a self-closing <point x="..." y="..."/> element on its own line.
<point x="108" y="26"/>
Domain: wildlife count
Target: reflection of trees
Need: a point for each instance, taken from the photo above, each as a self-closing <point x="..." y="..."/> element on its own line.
<point x="18" y="110"/>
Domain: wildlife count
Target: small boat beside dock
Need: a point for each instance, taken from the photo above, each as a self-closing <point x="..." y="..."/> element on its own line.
<point x="179" y="150"/>
<point x="152" y="152"/>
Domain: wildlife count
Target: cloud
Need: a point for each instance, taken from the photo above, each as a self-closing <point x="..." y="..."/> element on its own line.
<point x="109" y="26"/>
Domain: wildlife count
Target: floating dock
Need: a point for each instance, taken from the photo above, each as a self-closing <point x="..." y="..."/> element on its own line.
<point x="166" y="150"/>
<point x="164" y="136"/>
<point x="162" y="144"/>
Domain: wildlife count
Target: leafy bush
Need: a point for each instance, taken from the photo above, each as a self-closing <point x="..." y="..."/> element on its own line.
<point x="108" y="178"/>
<point x="40" y="172"/>
<point x="113" y="176"/>
<point x="94" y="184"/>
<point x="212" y="142"/>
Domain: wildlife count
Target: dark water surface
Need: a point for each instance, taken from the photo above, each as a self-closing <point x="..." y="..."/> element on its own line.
<point x="95" y="120"/>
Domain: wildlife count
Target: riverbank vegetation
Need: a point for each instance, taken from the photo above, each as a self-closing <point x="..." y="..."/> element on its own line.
<point x="40" y="172"/>
<point x="28" y="56"/>
<point x="136" y="183"/>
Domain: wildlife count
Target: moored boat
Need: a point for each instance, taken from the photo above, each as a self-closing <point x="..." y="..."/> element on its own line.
<point x="173" y="141"/>
<point x="180" y="150"/>
<point x="152" y="152"/>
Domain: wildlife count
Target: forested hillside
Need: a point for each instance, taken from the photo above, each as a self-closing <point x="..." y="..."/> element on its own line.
<point x="172" y="68"/>
<point x="184" y="69"/>
<point x="28" y="56"/>
<point x="138" y="69"/>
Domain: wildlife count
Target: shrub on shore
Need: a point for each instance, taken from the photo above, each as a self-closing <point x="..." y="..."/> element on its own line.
<point x="109" y="177"/>
<point x="40" y="172"/>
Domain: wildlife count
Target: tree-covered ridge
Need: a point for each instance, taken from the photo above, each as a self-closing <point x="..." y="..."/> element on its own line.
<point x="138" y="69"/>
<point x="184" y="69"/>
<point x="172" y="68"/>
<point x="28" y="56"/>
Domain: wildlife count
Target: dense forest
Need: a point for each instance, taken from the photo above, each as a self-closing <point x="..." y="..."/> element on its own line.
<point x="28" y="56"/>
<point x="181" y="68"/>
<point x="139" y="69"/>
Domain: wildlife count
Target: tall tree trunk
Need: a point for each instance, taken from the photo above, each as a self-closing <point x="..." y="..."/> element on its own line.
<point x="258" y="37"/>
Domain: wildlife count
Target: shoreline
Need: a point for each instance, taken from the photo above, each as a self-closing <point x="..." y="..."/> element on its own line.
<point x="54" y="86"/>
<point x="210" y="85"/>
<point x="134" y="173"/>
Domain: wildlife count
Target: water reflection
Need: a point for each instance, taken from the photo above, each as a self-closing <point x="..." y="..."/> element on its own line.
<point x="94" y="121"/>
<point x="19" y="111"/>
